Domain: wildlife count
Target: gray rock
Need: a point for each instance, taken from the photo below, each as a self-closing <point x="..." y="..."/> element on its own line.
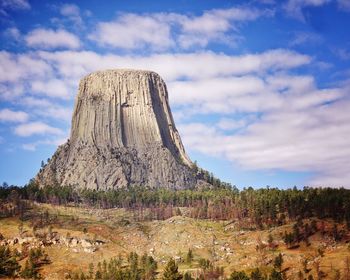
<point x="123" y="134"/>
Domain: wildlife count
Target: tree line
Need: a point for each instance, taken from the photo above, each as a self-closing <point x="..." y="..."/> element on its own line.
<point x="260" y="207"/>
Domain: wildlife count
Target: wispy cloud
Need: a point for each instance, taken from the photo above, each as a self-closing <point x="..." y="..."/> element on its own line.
<point x="49" y="39"/>
<point x="47" y="108"/>
<point x="342" y="53"/>
<point x="53" y="88"/>
<point x="193" y="65"/>
<point x="29" y="129"/>
<point x="7" y="115"/>
<point x="302" y="38"/>
<point x="312" y="140"/>
<point x="294" y="8"/>
<point x="125" y="33"/>
<point x="13" y="33"/>
<point x="13" y="5"/>
<point x="161" y="31"/>
<point x="15" y="67"/>
<point x="34" y="145"/>
<point x="213" y="25"/>
<point x="344" y="5"/>
<point x="72" y="13"/>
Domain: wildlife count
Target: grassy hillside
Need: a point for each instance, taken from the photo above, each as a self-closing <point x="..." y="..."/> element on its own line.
<point x="224" y="243"/>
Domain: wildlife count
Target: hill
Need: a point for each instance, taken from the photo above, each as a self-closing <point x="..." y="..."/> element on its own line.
<point x="74" y="236"/>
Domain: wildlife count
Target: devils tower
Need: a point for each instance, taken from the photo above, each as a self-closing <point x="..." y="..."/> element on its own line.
<point x="122" y="134"/>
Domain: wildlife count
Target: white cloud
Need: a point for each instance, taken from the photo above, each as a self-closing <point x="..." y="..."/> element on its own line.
<point x="71" y="12"/>
<point x="301" y="38"/>
<point x="342" y="53"/>
<point x="193" y="66"/>
<point x="28" y="129"/>
<point x="213" y="25"/>
<point x="161" y="31"/>
<point x="131" y="31"/>
<point x="307" y="131"/>
<point x="14" y="67"/>
<point x="227" y="124"/>
<point x="250" y="94"/>
<point x="52" y="88"/>
<point x="15" y="4"/>
<point x="295" y="7"/>
<point x="7" y="115"/>
<point x="16" y="70"/>
<point x="45" y="108"/>
<point x="13" y="33"/>
<point x="220" y="95"/>
<point x="29" y="147"/>
<point x="50" y="39"/>
<point x="52" y="142"/>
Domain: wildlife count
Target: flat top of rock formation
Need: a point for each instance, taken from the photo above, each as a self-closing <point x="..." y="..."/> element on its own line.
<point x="125" y="71"/>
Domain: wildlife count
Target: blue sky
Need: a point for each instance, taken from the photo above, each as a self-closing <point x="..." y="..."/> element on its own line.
<point x="259" y="89"/>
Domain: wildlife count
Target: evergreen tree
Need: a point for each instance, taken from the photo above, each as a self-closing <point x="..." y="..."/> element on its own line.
<point x="278" y="261"/>
<point x="171" y="271"/>
<point x="30" y="271"/>
<point x="98" y="275"/>
<point x="134" y="270"/>
<point x="187" y="276"/>
<point x="189" y="256"/>
<point x="256" y="275"/>
<point x="36" y="259"/>
<point x="8" y="263"/>
<point x="91" y="271"/>
<point x="148" y="267"/>
<point x="239" y="275"/>
<point x="276" y="275"/>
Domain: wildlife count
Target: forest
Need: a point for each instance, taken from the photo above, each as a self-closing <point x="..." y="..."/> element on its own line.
<point x="258" y="208"/>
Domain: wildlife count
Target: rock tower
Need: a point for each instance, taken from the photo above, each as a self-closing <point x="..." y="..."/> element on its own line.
<point x="123" y="134"/>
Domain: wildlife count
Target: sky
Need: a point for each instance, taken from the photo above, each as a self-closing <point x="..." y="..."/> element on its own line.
<point x="259" y="90"/>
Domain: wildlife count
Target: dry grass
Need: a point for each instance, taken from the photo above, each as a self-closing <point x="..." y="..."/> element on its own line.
<point x="231" y="248"/>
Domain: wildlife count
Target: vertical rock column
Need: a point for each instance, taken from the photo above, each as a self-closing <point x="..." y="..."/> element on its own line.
<point x="123" y="133"/>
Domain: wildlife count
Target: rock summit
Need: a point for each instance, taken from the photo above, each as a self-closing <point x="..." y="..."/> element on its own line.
<point x="123" y="134"/>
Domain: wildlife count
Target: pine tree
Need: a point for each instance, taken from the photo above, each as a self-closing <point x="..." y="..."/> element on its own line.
<point x="30" y="271"/>
<point x="256" y="275"/>
<point x="239" y="275"/>
<point x="171" y="271"/>
<point x="187" y="276"/>
<point x="278" y="261"/>
<point x="91" y="270"/>
<point x="8" y="263"/>
<point x="189" y="256"/>
<point x="275" y="275"/>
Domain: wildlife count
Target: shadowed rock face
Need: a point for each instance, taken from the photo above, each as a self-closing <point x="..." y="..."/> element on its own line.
<point x="122" y="134"/>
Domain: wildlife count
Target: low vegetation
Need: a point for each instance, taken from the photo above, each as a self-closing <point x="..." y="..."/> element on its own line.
<point x="139" y="233"/>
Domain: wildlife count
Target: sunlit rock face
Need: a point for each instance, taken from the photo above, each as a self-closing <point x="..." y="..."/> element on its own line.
<point x="123" y="134"/>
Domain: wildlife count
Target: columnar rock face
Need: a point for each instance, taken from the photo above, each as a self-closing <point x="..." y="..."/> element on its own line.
<point x="122" y="134"/>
